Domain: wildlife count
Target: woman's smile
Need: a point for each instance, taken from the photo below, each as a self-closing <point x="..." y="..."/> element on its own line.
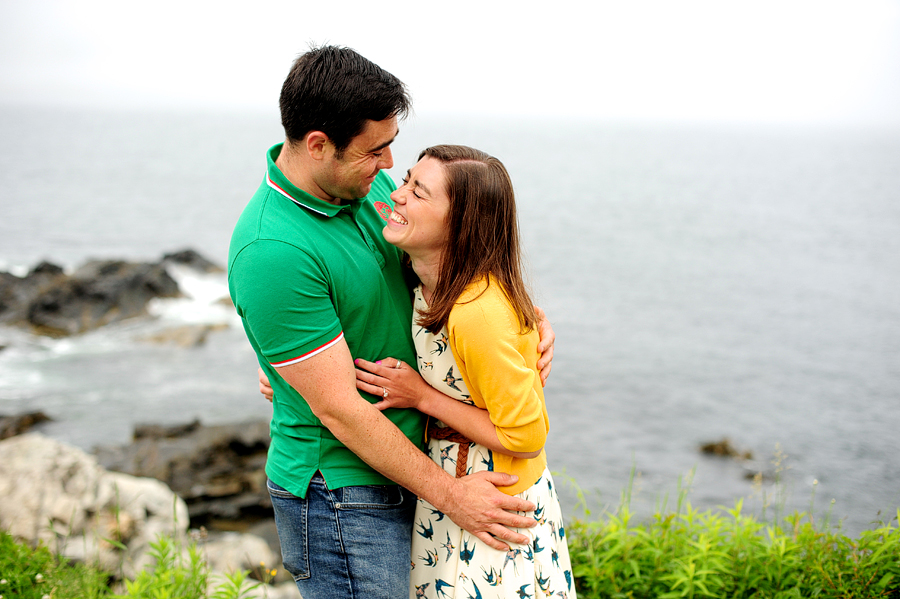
<point x="417" y="224"/>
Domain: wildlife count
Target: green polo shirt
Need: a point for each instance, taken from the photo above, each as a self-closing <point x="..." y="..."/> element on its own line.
<point x="303" y="274"/>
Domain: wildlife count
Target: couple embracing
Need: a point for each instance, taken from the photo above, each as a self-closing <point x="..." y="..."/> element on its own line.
<point x="403" y="352"/>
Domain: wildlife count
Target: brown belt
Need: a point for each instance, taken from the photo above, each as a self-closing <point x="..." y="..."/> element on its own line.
<point x="448" y="434"/>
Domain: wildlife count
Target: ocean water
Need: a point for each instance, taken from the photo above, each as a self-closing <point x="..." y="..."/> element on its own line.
<point x="703" y="281"/>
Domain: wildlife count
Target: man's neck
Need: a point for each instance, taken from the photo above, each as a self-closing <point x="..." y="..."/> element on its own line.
<point x="292" y="165"/>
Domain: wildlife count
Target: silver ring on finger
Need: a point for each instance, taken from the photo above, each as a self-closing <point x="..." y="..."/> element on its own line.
<point x="399" y="363"/>
<point x="384" y="391"/>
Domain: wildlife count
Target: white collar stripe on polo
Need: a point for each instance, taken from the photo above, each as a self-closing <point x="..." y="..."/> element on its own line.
<point x="275" y="186"/>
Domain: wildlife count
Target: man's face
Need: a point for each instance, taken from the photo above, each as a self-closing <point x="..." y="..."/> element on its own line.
<point x="350" y="176"/>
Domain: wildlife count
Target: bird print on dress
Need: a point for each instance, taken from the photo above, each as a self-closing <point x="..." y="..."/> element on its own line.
<point x="511" y="557"/>
<point x="477" y="594"/>
<point x="439" y="588"/>
<point x="466" y="554"/>
<point x="451" y="380"/>
<point x="489" y="462"/>
<point x="494" y="577"/>
<point x="445" y="455"/>
<point x="449" y="546"/>
<point x="543" y="583"/>
<point x="425" y="532"/>
<point x="450" y="563"/>
<point x="431" y="558"/>
<point x="442" y="343"/>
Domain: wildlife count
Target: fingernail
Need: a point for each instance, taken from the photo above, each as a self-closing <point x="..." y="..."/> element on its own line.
<point x="378" y="362"/>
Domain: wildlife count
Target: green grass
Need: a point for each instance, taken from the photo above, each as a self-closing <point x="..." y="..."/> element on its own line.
<point x="28" y="573"/>
<point x="726" y="553"/>
<point x="35" y="573"/>
<point x="682" y="552"/>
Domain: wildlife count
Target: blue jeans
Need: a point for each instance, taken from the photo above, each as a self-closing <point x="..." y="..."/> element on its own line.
<point x="352" y="542"/>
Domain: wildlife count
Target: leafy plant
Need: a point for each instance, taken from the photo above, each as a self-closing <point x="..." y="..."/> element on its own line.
<point x="728" y="554"/>
<point x="28" y="573"/>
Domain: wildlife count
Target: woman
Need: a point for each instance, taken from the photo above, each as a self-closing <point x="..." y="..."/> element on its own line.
<point x="476" y="342"/>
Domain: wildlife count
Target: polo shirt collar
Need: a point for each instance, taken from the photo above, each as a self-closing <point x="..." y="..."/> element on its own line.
<point x="276" y="180"/>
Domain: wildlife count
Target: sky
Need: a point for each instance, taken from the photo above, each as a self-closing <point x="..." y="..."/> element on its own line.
<point x="691" y="60"/>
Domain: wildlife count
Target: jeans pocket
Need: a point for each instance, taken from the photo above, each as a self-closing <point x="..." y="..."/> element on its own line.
<point x="291" y="520"/>
<point x="375" y="497"/>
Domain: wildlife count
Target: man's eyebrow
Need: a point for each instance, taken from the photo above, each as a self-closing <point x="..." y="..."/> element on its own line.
<point x="385" y="144"/>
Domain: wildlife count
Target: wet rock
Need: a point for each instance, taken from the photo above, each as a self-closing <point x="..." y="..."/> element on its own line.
<point x="50" y="302"/>
<point x="193" y="260"/>
<point x="99" y="293"/>
<point x="724" y="448"/>
<point x="17" y="292"/>
<point x="10" y="426"/>
<point x="218" y="470"/>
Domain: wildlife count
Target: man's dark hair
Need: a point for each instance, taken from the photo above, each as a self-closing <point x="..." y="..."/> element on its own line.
<point x="336" y="90"/>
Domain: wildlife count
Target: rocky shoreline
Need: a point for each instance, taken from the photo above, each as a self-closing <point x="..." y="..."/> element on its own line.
<point x="206" y="482"/>
<point x="48" y="301"/>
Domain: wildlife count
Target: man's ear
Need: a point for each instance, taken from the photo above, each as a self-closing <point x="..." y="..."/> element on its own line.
<point x="317" y="144"/>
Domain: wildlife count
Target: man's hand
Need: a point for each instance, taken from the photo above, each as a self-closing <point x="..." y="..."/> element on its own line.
<point x="327" y="381"/>
<point x="548" y="337"/>
<point x="264" y="387"/>
<point x="476" y="505"/>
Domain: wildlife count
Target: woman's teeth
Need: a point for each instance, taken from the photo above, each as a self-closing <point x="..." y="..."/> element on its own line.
<point x="398" y="219"/>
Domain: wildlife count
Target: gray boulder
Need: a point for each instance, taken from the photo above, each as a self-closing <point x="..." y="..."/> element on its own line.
<point x="53" y="493"/>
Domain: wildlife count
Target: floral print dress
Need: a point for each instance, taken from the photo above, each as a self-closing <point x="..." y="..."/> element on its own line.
<point x="448" y="562"/>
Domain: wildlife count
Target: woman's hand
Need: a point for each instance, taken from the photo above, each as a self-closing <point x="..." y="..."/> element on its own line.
<point x="397" y="383"/>
<point x="264" y="387"/>
<point x="545" y="347"/>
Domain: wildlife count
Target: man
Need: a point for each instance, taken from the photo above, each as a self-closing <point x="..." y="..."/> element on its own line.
<point x="316" y="286"/>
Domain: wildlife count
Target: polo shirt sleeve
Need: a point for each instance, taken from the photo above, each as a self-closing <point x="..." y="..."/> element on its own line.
<point x="282" y="294"/>
<point x="484" y="338"/>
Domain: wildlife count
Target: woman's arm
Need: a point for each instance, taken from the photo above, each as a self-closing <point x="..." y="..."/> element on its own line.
<point x="406" y="389"/>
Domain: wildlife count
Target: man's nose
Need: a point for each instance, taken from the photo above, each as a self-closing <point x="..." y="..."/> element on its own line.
<point x="387" y="159"/>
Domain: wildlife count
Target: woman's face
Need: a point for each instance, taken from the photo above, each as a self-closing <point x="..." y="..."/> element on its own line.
<point x="418" y="224"/>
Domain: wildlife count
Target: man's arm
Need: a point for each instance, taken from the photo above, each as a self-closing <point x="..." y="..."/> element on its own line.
<point x="328" y="383"/>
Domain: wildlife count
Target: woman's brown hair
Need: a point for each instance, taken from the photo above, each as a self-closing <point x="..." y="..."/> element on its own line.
<point x="482" y="234"/>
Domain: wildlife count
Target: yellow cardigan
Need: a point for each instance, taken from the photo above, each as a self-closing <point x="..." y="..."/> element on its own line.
<point x="499" y="367"/>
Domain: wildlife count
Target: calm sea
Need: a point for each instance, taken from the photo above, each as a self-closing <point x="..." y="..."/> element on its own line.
<point x="703" y="282"/>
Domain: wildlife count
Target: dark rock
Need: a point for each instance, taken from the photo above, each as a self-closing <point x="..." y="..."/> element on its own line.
<point x="724" y="448"/>
<point x="218" y="470"/>
<point x="98" y="293"/>
<point x="101" y="292"/>
<point x="192" y="259"/>
<point x="17" y="424"/>
<point x="17" y="292"/>
<point x="157" y="431"/>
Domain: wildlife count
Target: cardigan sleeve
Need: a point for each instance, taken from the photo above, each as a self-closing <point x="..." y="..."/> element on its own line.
<point x="498" y="365"/>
